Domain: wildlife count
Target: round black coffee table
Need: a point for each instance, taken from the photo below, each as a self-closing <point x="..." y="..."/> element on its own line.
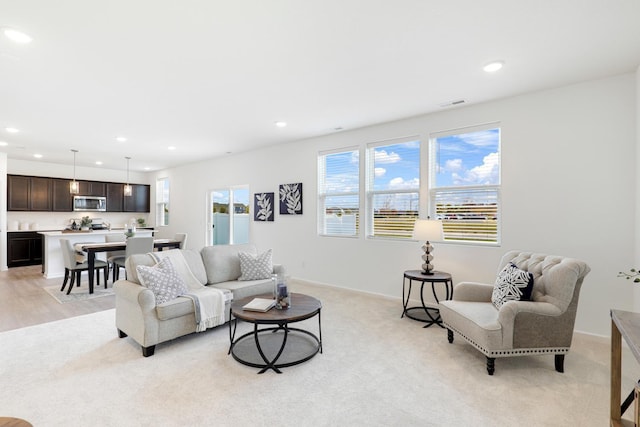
<point x="278" y="345"/>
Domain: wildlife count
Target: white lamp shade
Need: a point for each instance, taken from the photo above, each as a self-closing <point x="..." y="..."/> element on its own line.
<point x="428" y="229"/>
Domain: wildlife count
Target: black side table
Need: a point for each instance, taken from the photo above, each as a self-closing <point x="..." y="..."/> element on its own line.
<point x="436" y="277"/>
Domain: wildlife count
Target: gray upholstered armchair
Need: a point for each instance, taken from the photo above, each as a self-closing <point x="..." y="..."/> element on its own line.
<point x="543" y="325"/>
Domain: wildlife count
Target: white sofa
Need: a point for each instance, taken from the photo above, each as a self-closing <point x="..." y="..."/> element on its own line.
<point x="138" y="316"/>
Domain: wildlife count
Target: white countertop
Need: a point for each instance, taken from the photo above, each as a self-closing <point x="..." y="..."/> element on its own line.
<point x="93" y="232"/>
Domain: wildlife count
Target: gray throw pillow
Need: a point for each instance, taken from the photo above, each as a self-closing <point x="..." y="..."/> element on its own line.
<point x="256" y="267"/>
<point x="512" y="284"/>
<point x="163" y="280"/>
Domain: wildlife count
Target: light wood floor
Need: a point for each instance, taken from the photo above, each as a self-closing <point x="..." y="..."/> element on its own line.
<point x="24" y="302"/>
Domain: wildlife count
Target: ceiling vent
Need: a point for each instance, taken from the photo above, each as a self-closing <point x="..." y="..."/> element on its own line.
<point x="452" y="103"/>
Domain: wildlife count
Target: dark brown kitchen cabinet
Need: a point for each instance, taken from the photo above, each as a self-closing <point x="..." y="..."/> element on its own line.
<point x="28" y="193"/>
<point x="92" y="188"/>
<point x="140" y="200"/>
<point x="34" y="193"/>
<point x="61" y="198"/>
<point x="24" y="248"/>
<point x="114" y="197"/>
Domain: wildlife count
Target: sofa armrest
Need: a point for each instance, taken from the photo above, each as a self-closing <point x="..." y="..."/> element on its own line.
<point x="472" y="291"/>
<point x="523" y="321"/>
<point x="509" y="310"/>
<point x="135" y="293"/>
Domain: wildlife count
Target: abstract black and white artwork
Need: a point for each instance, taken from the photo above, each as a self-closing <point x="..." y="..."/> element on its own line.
<point x="263" y="206"/>
<point x="291" y="199"/>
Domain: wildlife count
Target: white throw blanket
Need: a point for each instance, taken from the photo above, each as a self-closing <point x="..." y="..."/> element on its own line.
<point x="208" y="302"/>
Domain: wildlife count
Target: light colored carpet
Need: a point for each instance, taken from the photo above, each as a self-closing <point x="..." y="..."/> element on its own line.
<point x="77" y="294"/>
<point x="376" y="370"/>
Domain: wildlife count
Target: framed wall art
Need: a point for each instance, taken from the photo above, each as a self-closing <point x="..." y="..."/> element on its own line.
<point x="291" y="199"/>
<point x="263" y="206"/>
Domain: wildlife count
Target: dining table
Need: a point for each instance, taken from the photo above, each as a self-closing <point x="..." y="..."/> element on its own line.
<point x="92" y="249"/>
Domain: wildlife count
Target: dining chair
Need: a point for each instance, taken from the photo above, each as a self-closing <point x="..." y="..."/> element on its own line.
<point x="74" y="269"/>
<point x="135" y="245"/>
<point x="112" y="256"/>
<point x="182" y="238"/>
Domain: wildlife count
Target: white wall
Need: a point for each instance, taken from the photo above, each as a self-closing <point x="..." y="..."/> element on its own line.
<point x="568" y="185"/>
<point x="569" y="188"/>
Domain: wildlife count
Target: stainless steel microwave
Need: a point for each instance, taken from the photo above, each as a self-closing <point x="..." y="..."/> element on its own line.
<point x="89" y="203"/>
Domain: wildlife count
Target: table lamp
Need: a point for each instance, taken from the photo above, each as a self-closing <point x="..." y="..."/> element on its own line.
<point x="428" y="229"/>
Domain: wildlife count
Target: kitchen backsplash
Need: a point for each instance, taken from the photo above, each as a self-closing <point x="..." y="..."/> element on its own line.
<point x="40" y="221"/>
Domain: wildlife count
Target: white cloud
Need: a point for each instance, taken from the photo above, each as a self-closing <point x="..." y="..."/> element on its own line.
<point x="485" y="174"/>
<point x="379" y="172"/>
<point x="400" y="183"/>
<point x="484" y="138"/>
<point x="383" y="157"/>
<point x="453" y="165"/>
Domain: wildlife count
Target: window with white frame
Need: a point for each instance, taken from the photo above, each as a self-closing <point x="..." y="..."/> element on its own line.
<point x="393" y="185"/>
<point x="464" y="186"/>
<point x="339" y="192"/>
<point x="162" y="201"/>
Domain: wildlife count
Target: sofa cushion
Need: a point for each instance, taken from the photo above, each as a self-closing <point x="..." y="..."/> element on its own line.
<point x="163" y="280"/>
<point x="256" y="267"/>
<point x="194" y="261"/>
<point x="222" y="263"/>
<point x="512" y="284"/>
<point x="242" y="289"/>
<point x="182" y="306"/>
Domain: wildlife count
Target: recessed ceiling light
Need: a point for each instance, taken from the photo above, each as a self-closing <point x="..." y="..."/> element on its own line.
<point x="37" y="156"/>
<point x="171" y="147"/>
<point x="121" y="139"/>
<point x="147" y="168"/>
<point x="281" y="124"/>
<point x="494" y="66"/>
<point x="98" y="162"/>
<point x="17" y="36"/>
<point x="12" y="130"/>
<point x="3" y="144"/>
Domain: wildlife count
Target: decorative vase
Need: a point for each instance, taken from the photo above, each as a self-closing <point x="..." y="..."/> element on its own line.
<point x="281" y="292"/>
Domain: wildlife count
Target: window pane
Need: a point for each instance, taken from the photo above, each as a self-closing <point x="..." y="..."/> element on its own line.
<point x="392" y="191"/>
<point x="342" y="216"/>
<point x="162" y="201"/>
<point x="394" y="214"/>
<point x="467" y="159"/>
<point x="338" y="193"/>
<point x="396" y="167"/>
<point x="240" y="215"/>
<point x="465" y="184"/>
<point x="468" y="215"/>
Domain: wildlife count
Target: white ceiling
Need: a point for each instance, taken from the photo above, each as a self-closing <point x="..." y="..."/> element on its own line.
<point x="211" y="77"/>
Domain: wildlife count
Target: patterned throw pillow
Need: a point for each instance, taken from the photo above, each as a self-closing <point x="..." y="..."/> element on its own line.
<point x="163" y="280"/>
<point x="255" y="267"/>
<point x="512" y="284"/>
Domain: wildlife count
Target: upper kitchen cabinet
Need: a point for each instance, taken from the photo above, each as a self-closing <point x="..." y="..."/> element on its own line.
<point x="92" y="188"/>
<point x="115" y="193"/>
<point x="139" y="201"/>
<point x="28" y="193"/>
<point x="61" y="199"/>
<point x="34" y="193"/>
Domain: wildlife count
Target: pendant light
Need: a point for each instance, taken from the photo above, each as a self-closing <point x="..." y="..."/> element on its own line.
<point x="127" y="188"/>
<point x="74" y="187"/>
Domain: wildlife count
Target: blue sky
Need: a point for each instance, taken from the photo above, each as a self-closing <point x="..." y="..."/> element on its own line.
<point x="465" y="159"/>
<point x="468" y="159"/>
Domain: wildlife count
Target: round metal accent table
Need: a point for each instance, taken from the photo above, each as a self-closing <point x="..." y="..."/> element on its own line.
<point x="278" y="345"/>
<point x="436" y="277"/>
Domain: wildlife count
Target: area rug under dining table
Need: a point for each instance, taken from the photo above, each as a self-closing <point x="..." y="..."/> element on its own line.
<point x="78" y="293"/>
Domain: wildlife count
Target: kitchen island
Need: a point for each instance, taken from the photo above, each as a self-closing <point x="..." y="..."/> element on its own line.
<point x="53" y="262"/>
